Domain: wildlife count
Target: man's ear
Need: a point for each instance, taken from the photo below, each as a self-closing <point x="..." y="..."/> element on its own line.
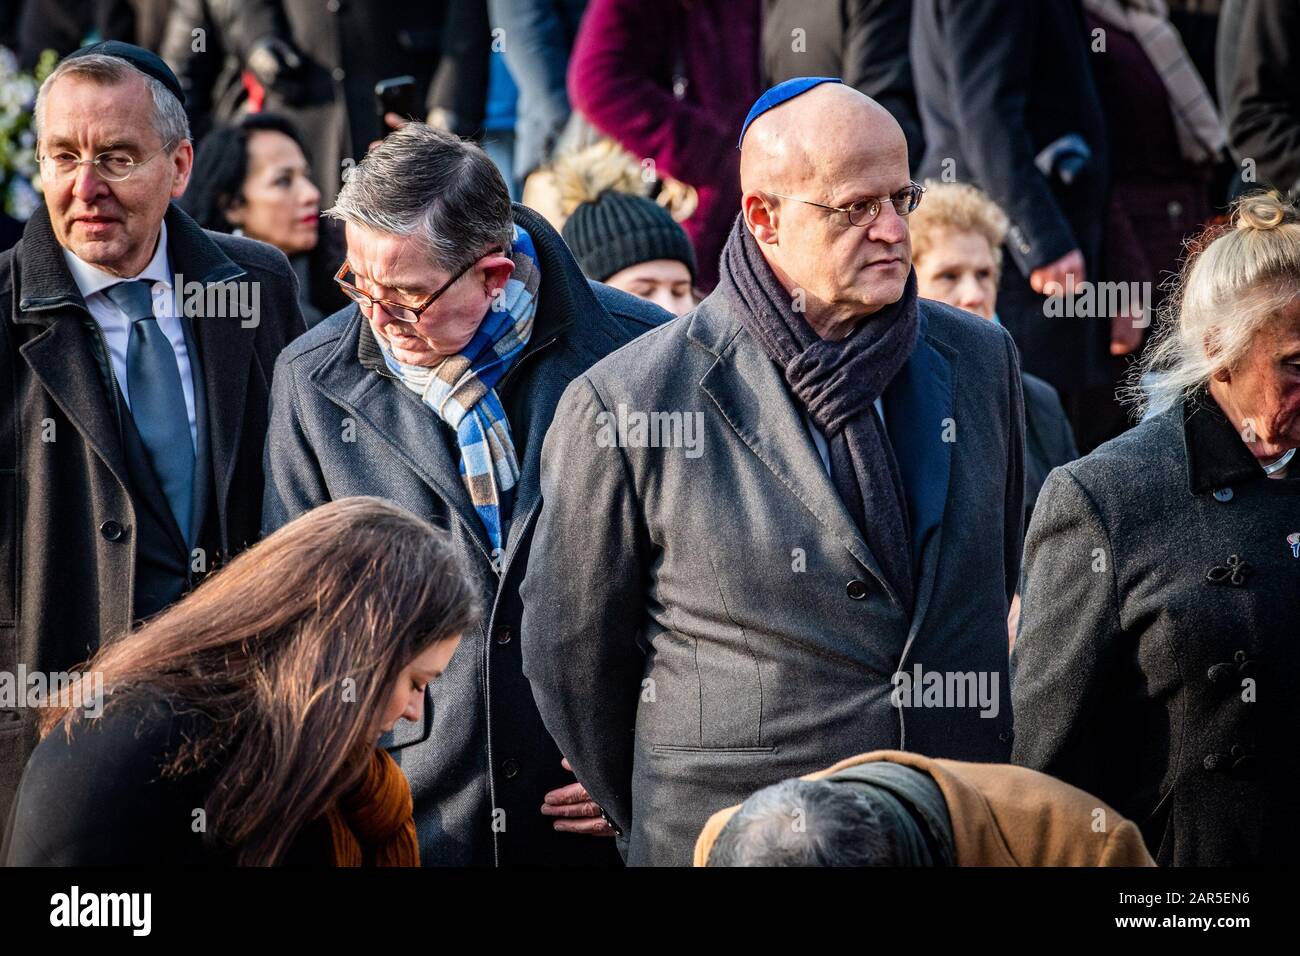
<point x="496" y="270"/>
<point x="182" y="166"/>
<point x="762" y="215"/>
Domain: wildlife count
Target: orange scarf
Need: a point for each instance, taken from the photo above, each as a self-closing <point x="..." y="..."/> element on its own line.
<point x="374" y="823"/>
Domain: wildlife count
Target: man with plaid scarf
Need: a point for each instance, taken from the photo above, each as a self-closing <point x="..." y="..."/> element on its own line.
<point x="434" y="391"/>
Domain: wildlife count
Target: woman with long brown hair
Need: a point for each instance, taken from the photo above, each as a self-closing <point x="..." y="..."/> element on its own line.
<point x="241" y="725"/>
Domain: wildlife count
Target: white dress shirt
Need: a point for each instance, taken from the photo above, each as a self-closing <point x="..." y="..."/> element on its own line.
<point x="819" y="440"/>
<point x="116" y="326"/>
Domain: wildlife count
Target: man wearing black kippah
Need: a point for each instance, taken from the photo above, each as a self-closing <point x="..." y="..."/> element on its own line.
<point x="135" y="365"/>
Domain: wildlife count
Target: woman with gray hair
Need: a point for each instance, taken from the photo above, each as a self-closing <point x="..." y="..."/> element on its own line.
<point x="1156" y="664"/>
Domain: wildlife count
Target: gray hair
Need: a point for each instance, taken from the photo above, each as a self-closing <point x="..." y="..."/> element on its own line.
<point x="804" y="823"/>
<point x="1228" y="290"/>
<point x="432" y="184"/>
<point x="169" y="119"/>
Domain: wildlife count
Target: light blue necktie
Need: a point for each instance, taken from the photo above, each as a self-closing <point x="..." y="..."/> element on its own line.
<point x="157" y="399"/>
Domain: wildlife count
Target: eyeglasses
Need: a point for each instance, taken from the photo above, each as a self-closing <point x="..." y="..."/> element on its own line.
<point x="864" y="211"/>
<point x="397" y="310"/>
<point x="113" y="166"/>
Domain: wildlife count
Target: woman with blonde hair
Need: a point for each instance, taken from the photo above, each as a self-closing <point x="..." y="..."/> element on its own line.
<point x="241" y="725"/>
<point x="1157" y="665"/>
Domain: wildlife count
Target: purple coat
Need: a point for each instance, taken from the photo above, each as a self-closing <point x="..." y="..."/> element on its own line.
<point x="672" y="82"/>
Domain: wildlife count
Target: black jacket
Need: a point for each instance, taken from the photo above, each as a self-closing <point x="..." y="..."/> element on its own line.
<point x="349" y="46"/>
<point x="212" y="74"/>
<point x="340" y="425"/>
<point x="69" y="521"/>
<point x="1156" y="664"/>
<point x="998" y="81"/>
<point x="101" y="798"/>
<point x="863" y="42"/>
<point x="1259" y="87"/>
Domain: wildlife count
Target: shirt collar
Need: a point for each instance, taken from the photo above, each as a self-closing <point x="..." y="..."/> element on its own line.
<point x="1216" y="455"/>
<point x="91" y="279"/>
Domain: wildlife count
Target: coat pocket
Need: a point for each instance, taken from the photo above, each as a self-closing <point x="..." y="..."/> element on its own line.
<point x="702" y="692"/>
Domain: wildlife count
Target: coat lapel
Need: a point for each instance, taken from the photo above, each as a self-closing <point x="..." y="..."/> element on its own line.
<point x="62" y="356"/>
<point x="531" y="419"/>
<point x="203" y="444"/>
<point x="563" y="297"/>
<point x="755" y="402"/>
<point x="918" y="412"/>
<point x="62" y="359"/>
<point x="225" y="345"/>
<point x="398" y="416"/>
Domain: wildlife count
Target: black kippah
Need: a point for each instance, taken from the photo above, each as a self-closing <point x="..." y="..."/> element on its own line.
<point x="147" y="62"/>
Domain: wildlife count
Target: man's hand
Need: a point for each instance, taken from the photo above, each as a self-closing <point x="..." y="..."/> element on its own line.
<point x="574" y="809"/>
<point x="392" y="121"/>
<point x="275" y="63"/>
<point x="1052" y="278"/>
<point x="1126" y="331"/>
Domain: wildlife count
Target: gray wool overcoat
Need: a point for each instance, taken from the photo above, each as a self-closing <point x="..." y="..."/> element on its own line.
<point x="702" y="617"/>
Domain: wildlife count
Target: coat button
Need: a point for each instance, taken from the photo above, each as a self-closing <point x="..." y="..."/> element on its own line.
<point x="1211" y="761"/>
<point x="857" y="589"/>
<point x="1222" y="494"/>
<point x="111" y="530"/>
<point x="502" y="635"/>
<point x="1220" y="673"/>
<point x="332" y="6"/>
<point x="338" y="73"/>
<point x="510" y="768"/>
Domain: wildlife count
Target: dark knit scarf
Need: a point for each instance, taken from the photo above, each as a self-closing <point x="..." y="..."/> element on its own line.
<point x="837" y="384"/>
<point x="911" y="807"/>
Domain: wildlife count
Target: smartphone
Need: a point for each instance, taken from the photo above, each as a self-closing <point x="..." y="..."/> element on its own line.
<point x="396" y="95"/>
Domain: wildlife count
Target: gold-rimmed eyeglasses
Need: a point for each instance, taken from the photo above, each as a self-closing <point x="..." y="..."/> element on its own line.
<point x="864" y="211"/>
<point x="400" y="310"/>
<point x="113" y="165"/>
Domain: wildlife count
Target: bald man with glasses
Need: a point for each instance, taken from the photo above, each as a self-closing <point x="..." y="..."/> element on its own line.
<point x="750" y="597"/>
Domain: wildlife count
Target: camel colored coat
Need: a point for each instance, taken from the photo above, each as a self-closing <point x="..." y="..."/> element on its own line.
<point x="1003" y="816"/>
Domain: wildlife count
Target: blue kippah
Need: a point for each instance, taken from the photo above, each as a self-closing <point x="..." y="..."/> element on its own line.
<point x="778" y="94"/>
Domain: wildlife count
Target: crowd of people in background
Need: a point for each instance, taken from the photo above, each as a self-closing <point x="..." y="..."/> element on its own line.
<point x="973" y="330"/>
<point x="1130" y="128"/>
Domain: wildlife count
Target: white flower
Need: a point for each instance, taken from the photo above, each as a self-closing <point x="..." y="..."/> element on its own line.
<point x="22" y="200"/>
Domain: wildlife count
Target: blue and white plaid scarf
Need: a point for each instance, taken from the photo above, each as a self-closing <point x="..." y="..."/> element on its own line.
<point x="461" y="390"/>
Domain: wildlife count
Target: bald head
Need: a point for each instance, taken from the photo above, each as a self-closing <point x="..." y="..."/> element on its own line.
<point x="831" y="147"/>
<point x="817" y="137"/>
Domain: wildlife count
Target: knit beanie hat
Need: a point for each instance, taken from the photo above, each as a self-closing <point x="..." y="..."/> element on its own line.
<point x="617" y="230"/>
